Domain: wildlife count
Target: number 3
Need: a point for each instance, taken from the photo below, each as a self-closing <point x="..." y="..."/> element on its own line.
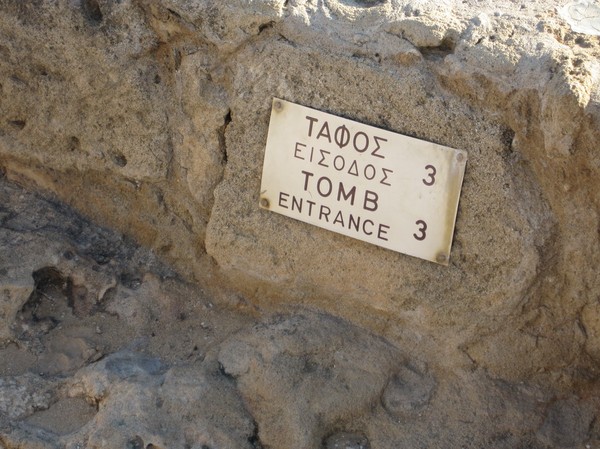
<point x="422" y="229"/>
<point x="431" y="176"/>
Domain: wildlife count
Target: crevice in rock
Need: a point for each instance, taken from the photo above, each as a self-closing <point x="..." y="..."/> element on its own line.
<point x="49" y="281"/>
<point x="19" y="124"/>
<point x="174" y="13"/>
<point x="177" y="58"/>
<point x="439" y="52"/>
<point x="254" y="439"/>
<point x="266" y="26"/>
<point x="42" y="310"/>
<point x="369" y="3"/>
<point x="223" y="372"/>
<point x="92" y="12"/>
<point x="507" y="138"/>
<point x="282" y="38"/>
<point x="222" y="139"/>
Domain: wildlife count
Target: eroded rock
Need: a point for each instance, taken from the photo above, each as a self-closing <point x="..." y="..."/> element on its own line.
<point x="408" y="392"/>
<point x="151" y="118"/>
<point x="302" y="374"/>
<point x="567" y="422"/>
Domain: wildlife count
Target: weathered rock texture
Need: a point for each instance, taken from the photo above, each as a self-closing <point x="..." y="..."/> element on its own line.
<point x="150" y="117"/>
<point x="110" y="349"/>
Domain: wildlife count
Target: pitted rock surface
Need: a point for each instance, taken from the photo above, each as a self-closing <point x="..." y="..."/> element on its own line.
<point x="132" y="246"/>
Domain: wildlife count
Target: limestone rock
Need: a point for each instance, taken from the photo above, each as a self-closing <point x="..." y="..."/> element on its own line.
<point x="140" y="402"/>
<point x="156" y="362"/>
<point x="21" y="396"/>
<point x="301" y="375"/>
<point x="150" y="118"/>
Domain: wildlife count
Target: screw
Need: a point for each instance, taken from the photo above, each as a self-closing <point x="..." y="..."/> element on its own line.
<point x="441" y="258"/>
<point x="460" y="157"/>
<point x="278" y="105"/>
<point x="264" y="202"/>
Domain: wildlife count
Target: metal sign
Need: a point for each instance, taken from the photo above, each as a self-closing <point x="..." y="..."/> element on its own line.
<point x="381" y="187"/>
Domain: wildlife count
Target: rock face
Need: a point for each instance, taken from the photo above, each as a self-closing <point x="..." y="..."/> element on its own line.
<point x="151" y="117"/>
<point x="304" y="375"/>
<point x="112" y="349"/>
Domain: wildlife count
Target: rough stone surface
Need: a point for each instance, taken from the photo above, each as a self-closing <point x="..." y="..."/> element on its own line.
<point x="150" y="118"/>
<point x="347" y="441"/>
<point x="155" y="362"/>
<point x="302" y="375"/>
<point x="567" y="423"/>
<point x="408" y="391"/>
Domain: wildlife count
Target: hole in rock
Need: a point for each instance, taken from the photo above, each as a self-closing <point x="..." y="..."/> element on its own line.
<point x="74" y="144"/>
<point x="119" y="159"/>
<point x="439" y="52"/>
<point x="19" y="124"/>
<point x="91" y="11"/>
<point x="48" y="299"/>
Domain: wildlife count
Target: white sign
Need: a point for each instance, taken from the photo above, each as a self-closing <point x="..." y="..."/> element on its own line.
<point x="384" y="188"/>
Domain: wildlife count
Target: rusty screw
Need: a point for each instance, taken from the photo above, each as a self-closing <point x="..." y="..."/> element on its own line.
<point x="264" y="202"/>
<point x="441" y="258"/>
<point x="278" y="105"/>
<point x="460" y="157"/>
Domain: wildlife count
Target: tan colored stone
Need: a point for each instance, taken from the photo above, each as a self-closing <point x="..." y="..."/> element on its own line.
<point x="151" y="118"/>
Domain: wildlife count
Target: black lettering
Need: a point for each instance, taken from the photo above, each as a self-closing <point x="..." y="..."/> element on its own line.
<point x="283" y="200"/>
<point x="350" y="195"/>
<point x="297" y="204"/>
<point x="326" y="193"/>
<point x="360" y="133"/>
<point x="383" y="230"/>
<point x="373" y="172"/>
<point x="342" y="136"/>
<point x="355" y="223"/>
<point x="323" y="153"/>
<point x="335" y="164"/>
<point x="312" y="151"/>
<point x="339" y="218"/>
<point x="322" y="213"/>
<point x="355" y="167"/>
<point x="422" y="228"/>
<point x="312" y="120"/>
<point x="370" y="202"/>
<point x="324" y="132"/>
<point x="310" y="206"/>
<point x="364" y="227"/>
<point x="386" y="172"/>
<point x="306" y="176"/>
<point x="374" y="153"/>
<point x="298" y="150"/>
<point x="431" y="176"/>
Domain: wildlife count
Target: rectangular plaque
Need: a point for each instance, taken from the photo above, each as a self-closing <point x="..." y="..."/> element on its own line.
<point x="381" y="187"/>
